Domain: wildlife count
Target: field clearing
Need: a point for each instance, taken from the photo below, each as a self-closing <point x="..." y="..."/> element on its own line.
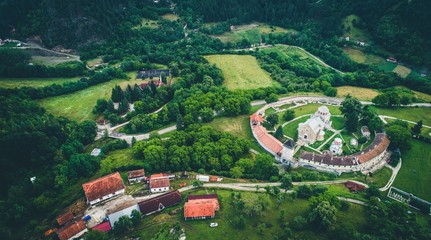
<point x="312" y="108"/>
<point x="357" y="92"/>
<point x="33" y="82"/>
<point x="252" y="32"/>
<point x="381" y="177"/>
<point x="48" y="58"/>
<point x="241" y="71"/>
<point x="422" y="96"/>
<point x="198" y="229"/>
<point x="79" y="105"/>
<point x="406" y="113"/>
<point x="147" y="23"/>
<point x="95" y="61"/>
<point x="352" y="31"/>
<point x="355" y="54"/>
<point x="402" y="71"/>
<point x="415" y="173"/>
<point x="171" y="17"/>
<point x="116" y="160"/>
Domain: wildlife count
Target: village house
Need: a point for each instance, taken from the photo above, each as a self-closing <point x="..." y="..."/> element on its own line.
<point x="104" y="188"/>
<point x="201" y="207"/>
<point x="149" y="73"/>
<point x="72" y="230"/>
<point x="136" y="176"/>
<point x="391" y="59"/>
<point x="160" y="202"/>
<point x="65" y="218"/>
<point x="159" y="185"/>
<point x="163" y="175"/>
<point x="203" y="178"/>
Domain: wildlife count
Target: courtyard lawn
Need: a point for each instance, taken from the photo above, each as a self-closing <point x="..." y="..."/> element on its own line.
<point x="381" y="177"/>
<point x="269" y="111"/>
<point x="338" y="122"/>
<point x="198" y="229"/>
<point x="241" y="71"/>
<point x="360" y="93"/>
<point x="291" y="129"/>
<point x="407" y="113"/>
<point x="79" y="105"/>
<point x="415" y="173"/>
<point x="33" y="82"/>
<point x="312" y="108"/>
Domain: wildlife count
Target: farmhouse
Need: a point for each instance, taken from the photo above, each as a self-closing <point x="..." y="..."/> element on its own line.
<point x="72" y="230"/>
<point x="312" y="130"/>
<point x="203" y="178"/>
<point x="152" y="73"/>
<point x="159" y="185"/>
<point x="201" y="207"/>
<point x="136" y="176"/>
<point x="63" y="219"/>
<point x="163" y="175"/>
<point x="160" y="202"/>
<point x="391" y="59"/>
<point x="104" y="188"/>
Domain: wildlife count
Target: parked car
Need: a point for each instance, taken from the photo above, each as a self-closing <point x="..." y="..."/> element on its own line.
<point x="213" y="224"/>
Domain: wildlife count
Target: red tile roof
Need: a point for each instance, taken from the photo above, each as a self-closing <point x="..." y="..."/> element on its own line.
<point x="64" y="218"/>
<point x="159" y="183"/>
<point x="71" y="230"/>
<point x="379" y="145"/>
<point x="166" y="200"/>
<point x="354" y="187"/>
<point x="213" y="201"/>
<point x="204" y="196"/>
<point x="136" y="173"/>
<point x="256" y="118"/>
<point x="194" y="210"/>
<point x="267" y="139"/>
<point x="104" y="227"/>
<point x="103" y="186"/>
<point x="213" y="178"/>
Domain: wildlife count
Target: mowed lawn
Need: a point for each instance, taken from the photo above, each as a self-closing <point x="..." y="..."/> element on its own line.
<point x="241" y="71"/>
<point x="415" y="173"/>
<point x="407" y="113"/>
<point x="312" y="108"/>
<point x="79" y="105"/>
<point x="357" y="92"/>
<point x="33" y="82"/>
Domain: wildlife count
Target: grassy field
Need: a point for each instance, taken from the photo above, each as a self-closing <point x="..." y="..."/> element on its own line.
<point x="353" y="32"/>
<point x="252" y="32"/>
<point x="147" y="23"/>
<point x="402" y="71"/>
<point x="357" y="92"/>
<point x="199" y="229"/>
<point x="381" y="177"/>
<point x="421" y="96"/>
<point x="33" y="82"/>
<point x="171" y="17"/>
<point x="79" y="105"/>
<point x="355" y="54"/>
<point x="116" y="160"/>
<point x="241" y="71"/>
<point x="292" y="128"/>
<point x="411" y="114"/>
<point x="415" y="173"/>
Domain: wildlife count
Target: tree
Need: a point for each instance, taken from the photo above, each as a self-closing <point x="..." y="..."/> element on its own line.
<point x="197" y="184"/>
<point x="123" y="224"/>
<point x="299" y="223"/>
<point x="324" y="215"/>
<point x="279" y="133"/>
<point x="399" y="136"/>
<point x="136" y="217"/>
<point x="272" y="119"/>
<point x="288" y="115"/>
<point x="286" y="181"/>
<point x="264" y="167"/>
<point x="236" y="172"/>
<point x="416" y="129"/>
<point x="117" y="94"/>
<point x="331" y="92"/>
<point x="372" y="191"/>
<point x="101" y="106"/>
<point x="271" y="98"/>
<point x="163" y="77"/>
<point x="352" y="109"/>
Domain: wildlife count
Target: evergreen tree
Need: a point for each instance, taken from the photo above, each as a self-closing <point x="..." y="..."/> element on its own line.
<point x="117" y="94"/>
<point x="136" y="93"/>
<point x="110" y="106"/>
<point x="128" y="93"/>
<point x="279" y="133"/>
<point x="416" y="129"/>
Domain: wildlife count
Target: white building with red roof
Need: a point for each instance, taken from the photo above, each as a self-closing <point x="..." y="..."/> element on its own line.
<point x="104" y="188"/>
<point x="159" y="185"/>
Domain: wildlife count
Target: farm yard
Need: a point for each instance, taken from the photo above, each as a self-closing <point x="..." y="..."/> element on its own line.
<point x="241" y="71"/>
<point x="79" y="105"/>
<point x="33" y="82"/>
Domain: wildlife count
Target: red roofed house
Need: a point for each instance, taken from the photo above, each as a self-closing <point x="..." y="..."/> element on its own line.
<point x="61" y="220"/>
<point x="163" y="175"/>
<point x="159" y="185"/>
<point x="103" y="227"/>
<point x="136" y="176"/>
<point x="160" y="202"/>
<point x="256" y="119"/>
<point x="354" y="187"/>
<point x="71" y="231"/>
<point x="103" y="188"/>
<point x="201" y="207"/>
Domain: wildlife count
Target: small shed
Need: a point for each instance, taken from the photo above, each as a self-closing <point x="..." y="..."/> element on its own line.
<point x="96" y="152"/>
<point x="203" y="178"/>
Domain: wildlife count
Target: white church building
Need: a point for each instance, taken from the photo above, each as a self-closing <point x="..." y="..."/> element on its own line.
<point x="312" y="130"/>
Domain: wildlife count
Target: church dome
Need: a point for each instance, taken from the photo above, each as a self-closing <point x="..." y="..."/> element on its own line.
<point x="323" y="109"/>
